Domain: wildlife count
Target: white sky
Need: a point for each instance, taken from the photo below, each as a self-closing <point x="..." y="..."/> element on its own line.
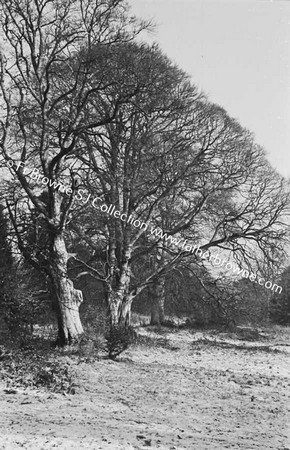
<point x="238" y="53"/>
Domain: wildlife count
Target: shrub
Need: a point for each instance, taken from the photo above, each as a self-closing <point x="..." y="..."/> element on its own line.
<point x="118" y="339"/>
<point x="35" y="364"/>
<point x="54" y="376"/>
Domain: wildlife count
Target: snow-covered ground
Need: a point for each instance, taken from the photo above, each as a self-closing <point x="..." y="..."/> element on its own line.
<point x="198" y="391"/>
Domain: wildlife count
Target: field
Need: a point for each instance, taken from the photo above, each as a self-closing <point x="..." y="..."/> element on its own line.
<point x="171" y="390"/>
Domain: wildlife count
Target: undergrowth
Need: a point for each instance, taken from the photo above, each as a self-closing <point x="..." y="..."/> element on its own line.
<point x="30" y="369"/>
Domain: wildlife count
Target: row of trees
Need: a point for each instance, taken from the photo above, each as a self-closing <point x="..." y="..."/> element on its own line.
<point x="84" y="103"/>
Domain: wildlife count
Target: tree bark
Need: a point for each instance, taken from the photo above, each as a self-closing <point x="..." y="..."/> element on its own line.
<point x="119" y="298"/>
<point x="157" y="292"/>
<point x="67" y="298"/>
<point x="119" y="308"/>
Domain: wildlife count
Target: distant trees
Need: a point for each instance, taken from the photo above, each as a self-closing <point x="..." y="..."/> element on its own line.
<point x="22" y="298"/>
<point x="280" y="303"/>
<point x="6" y="266"/>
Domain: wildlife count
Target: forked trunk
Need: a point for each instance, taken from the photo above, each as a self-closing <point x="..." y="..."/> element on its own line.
<point x="119" y="309"/>
<point x="157" y="293"/>
<point x="67" y="298"/>
<point x="119" y="299"/>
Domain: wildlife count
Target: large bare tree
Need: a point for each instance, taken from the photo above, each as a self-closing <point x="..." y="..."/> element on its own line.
<point x="232" y="200"/>
<point x="46" y="84"/>
<point x="189" y="171"/>
<point x="134" y="162"/>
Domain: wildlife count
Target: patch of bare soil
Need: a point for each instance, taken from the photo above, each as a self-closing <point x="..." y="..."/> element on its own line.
<point x="187" y="391"/>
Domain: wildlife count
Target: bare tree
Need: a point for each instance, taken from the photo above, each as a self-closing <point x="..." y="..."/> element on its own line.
<point x="200" y="180"/>
<point x="232" y="200"/>
<point x="46" y="85"/>
<point x="132" y="162"/>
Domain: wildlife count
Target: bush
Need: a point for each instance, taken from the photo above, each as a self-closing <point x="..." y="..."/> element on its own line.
<point x="55" y="376"/>
<point x="30" y="369"/>
<point x="118" y="339"/>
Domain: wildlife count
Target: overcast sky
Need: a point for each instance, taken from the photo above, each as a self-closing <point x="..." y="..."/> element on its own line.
<point x="238" y="53"/>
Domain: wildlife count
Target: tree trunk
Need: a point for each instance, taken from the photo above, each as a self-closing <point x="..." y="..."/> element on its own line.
<point x="119" y="308"/>
<point x="119" y="299"/>
<point x="67" y="298"/>
<point x="157" y="292"/>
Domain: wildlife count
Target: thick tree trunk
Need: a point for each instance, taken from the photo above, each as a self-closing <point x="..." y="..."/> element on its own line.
<point x="119" y="308"/>
<point x="119" y="299"/>
<point x="67" y="298"/>
<point x="157" y="293"/>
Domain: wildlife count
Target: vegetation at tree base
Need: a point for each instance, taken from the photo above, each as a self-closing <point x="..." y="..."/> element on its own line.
<point x="86" y="106"/>
<point x="118" y="338"/>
